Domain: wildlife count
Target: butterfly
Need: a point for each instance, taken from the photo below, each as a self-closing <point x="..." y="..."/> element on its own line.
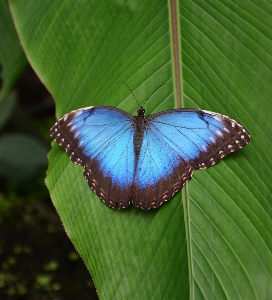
<point x="145" y="160"/>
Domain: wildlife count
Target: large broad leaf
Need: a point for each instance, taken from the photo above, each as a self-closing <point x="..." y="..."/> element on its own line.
<point x="215" y="241"/>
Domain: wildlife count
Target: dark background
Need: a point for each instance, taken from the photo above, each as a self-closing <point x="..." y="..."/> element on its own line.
<point x="38" y="261"/>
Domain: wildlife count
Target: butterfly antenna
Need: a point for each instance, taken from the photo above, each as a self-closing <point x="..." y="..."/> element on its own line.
<point x="154" y="92"/>
<point x="132" y="93"/>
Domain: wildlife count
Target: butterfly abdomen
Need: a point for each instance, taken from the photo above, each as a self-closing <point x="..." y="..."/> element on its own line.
<point x="139" y="127"/>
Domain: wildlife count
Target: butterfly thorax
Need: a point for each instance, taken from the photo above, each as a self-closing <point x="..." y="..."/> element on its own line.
<point x="141" y="111"/>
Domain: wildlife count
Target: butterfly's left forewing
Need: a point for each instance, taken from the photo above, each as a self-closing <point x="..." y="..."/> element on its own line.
<point x="201" y="138"/>
<point x="175" y="143"/>
<point x="101" y="140"/>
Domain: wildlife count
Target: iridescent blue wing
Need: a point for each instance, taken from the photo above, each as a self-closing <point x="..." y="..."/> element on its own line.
<point x="175" y="143"/>
<point x="101" y="140"/>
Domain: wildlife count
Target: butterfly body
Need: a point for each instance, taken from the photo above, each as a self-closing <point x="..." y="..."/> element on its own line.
<point x="139" y="127"/>
<point x="145" y="160"/>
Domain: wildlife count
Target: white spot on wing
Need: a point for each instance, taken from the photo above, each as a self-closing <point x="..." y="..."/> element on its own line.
<point x="212" y="139"/>
<point x="65" y="118"/>
<point x="78" y="112"/>
<point x="73" y="128"/>
<point x="219" y="132"/>
<point x="217" y="118"/>
<point x="212" y="161"/>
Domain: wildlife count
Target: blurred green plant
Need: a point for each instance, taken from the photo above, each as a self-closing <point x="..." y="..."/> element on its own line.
<point x="12" y="56"/>
<point x="36" y="258"/>
<point x="21" y="154"/>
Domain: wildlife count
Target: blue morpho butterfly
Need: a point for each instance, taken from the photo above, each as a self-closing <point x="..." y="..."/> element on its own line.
<point x="145" y="160"/>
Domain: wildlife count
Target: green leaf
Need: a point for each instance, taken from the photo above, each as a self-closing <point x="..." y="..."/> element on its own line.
<point x="82" y="51"/>
<point x="21" y="155"/>
<point x="12" y="58"/>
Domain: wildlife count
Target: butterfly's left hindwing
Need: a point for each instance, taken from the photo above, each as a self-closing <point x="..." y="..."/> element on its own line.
<point x="101" y="140"/>
<point x="160" y="172"/>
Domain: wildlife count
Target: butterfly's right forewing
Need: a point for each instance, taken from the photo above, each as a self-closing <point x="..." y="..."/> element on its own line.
<point x="101" y="140"/>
